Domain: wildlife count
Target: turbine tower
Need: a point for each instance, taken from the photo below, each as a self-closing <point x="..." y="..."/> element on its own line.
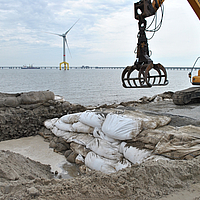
<point x="64" y="36"/>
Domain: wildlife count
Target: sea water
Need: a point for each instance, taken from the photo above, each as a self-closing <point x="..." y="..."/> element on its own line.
<point x="85" y="86"/>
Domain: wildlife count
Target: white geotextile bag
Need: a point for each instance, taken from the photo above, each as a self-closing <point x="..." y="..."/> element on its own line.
<point x="122" y="164"/>
<point x="68" y="135"/>
<point x="70" y="118"/>
<point x="149" y="122"/>
<point x="98" y="163"/>
<point x="105" y="149"/>
<point x="98" y="133"/>
<point x="64" y="134"/>
<point x="63" y="126"/>
<point x="134" y="154"/>
<point x="163" y="120"/>
<point x="82" y="139"/>
<point x="82" y="128"/>
<point x="49" y="123"/>
<point x="59" y="98"/>
<point x="58" y="132"/>
<point x="92" y="119"/>
<point x="120" y="127"/>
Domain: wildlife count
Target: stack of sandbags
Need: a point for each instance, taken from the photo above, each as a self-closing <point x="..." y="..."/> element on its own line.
<point x="148" y="121"/>
<point x="98" y="139"/>
<point x="182" y="143"/>
<point x="25" y="98"/>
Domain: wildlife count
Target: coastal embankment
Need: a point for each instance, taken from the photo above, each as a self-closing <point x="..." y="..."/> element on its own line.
<point x="23" y="114"/>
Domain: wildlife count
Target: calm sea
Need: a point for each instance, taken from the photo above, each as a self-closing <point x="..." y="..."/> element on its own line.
<point x="85" y="86"/>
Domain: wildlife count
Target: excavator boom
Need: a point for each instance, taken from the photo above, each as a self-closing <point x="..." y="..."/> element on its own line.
<point x="195" y="4"/>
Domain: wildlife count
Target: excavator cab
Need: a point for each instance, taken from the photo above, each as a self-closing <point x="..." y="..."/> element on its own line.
<point x="195" y="80"/>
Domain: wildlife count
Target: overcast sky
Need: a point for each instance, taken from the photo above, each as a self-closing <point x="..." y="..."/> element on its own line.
<point x="105" y="35"/>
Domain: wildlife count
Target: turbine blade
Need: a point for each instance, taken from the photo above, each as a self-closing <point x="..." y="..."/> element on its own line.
<point x="68" y="47"/>
<point x="72" y="26"/>
<point x="54" y="34"/>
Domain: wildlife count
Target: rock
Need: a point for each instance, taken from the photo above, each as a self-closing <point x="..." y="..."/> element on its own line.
<point x="36" y="97"/>
<point x="158" y="98"/>
<point x="61" y="147"/>
<point x="52" y="144"/>
<point x="58" y="144"/>
<point x="62" y="141"/>
<point x="46" y="133"/>
<point x="84" y="169"/>
<point x="144" y="99"/>
<point x="72" y="157"/>
<point x="33" y="191"/>
<point x="67" y="153"/>
<point x="167" y="95"/>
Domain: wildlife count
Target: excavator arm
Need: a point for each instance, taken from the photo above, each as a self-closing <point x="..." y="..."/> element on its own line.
<point x="144" y="73"/>
<point x="150" y="9"/>
<point x="145" y="8"/>
<point x="195" y="4"/>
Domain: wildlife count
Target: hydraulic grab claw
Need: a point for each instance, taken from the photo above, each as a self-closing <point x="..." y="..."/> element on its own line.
<point x="143" y="73"/>
<point x="146" y="75"/>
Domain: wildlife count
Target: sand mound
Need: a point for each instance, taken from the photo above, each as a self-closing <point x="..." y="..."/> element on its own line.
<point x="150" y="180"/>
<point x="15" y="167"/>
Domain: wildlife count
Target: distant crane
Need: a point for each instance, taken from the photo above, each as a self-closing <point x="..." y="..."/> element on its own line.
<point x="64" y="36"/>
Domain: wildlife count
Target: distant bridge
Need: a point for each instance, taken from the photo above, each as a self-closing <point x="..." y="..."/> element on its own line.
<point x="87" y="67"/>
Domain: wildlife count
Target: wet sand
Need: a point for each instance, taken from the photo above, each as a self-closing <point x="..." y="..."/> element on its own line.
<point x="38" y="150"/>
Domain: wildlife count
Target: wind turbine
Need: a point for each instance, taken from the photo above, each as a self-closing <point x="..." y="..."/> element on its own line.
<point x="64" y="36"/>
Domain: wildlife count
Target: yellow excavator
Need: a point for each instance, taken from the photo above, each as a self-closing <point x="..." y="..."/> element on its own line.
<point x="144" y="73"/>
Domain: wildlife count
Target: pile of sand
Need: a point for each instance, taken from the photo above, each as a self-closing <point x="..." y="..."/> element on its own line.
<point x="21" y="178"/>
<point x="15" y="167"/>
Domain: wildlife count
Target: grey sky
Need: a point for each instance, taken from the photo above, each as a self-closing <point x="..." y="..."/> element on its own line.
<point x="105" y="35"/>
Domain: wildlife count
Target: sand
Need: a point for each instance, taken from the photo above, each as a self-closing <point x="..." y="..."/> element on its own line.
<point x="163" y="179"/>
<point x="37" y="149"/>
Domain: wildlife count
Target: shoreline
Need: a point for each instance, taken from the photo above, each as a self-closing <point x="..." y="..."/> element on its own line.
<point x="167" y="180"/>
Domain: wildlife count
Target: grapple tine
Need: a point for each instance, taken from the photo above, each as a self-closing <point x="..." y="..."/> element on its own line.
<point x="164" y="71"/>
<point x="159" y="72"/>
<point x="158" y="80"/>
<point x="125" y="71"/>
<point x="130" y="82"/>
<point x="132" y="79"/>
<point x="141" y="76"/>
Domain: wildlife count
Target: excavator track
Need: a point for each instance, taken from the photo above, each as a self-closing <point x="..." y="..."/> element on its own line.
<point x="186" y="96"/>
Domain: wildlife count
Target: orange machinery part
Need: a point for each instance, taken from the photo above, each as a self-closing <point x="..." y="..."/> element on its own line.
<point x="195" y="4"/>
